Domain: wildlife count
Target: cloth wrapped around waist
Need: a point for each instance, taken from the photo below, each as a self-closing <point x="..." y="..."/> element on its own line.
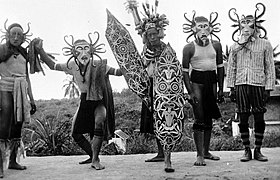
<point x="18" y="86"/>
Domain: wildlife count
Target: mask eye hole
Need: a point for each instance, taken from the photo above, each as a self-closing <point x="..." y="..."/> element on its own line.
<point x="79" y="48"/>
<point x="86" y="48"/>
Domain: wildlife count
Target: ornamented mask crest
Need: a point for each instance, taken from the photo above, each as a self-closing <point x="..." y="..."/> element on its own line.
<point x="8" y="36"/>
<point x="248" y="23"/>
<point x="192" y="28"/>
<point x="74" y="52"/>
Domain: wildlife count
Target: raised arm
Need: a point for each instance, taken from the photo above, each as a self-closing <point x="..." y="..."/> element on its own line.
<point x="44" y="56"/>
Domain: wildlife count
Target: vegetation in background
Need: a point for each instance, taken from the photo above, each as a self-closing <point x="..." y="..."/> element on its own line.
<point x="49" y="131"/>
<point x="70" y="87"/>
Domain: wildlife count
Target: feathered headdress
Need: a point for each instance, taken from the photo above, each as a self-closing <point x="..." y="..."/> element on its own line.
<point x="189" y="27"/>
<point x="151" y="18"/>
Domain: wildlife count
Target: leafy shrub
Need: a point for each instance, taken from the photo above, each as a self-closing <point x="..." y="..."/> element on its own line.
<point x="48" y="133"/>
<point x="141" y="144"/>
<point x="271" y="139"/>
<point x="48" y="136"/>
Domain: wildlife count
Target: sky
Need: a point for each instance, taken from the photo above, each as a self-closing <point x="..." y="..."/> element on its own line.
<point x="51" y="20"/>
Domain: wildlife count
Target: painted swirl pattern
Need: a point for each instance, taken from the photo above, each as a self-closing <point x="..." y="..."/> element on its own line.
<point x="128" y="58"/>
<point x="168" y="99"/>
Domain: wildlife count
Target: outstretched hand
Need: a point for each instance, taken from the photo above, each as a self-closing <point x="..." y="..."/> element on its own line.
<point x="266" y="95"/>
<point x="193" y="99"/>
<point x="38" y="44"/>
<point x="220" y="98"/>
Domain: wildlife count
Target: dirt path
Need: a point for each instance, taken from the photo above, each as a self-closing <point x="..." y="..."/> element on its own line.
<point x="127" y="167"/>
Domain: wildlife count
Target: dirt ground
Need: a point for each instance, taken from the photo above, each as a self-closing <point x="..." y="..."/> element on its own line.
<point x="133" y="167"/>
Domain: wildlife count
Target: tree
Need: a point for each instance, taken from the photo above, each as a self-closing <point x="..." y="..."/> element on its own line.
<point x="71" y="88"/>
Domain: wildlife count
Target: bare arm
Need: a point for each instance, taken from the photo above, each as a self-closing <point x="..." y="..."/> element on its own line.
<point x="188" y="52"/>
<point x="43" y="54"/>
<point x="30" y="95"/>
<point x="220" y="67"/>
<point x="115" y="72"/>
<point x="46" y="59"/>
<point x="29" y="91"/>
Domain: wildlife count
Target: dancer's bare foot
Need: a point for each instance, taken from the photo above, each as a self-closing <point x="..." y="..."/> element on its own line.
<point x="200" y="161"/>
<point x="16" y="166"/>
<point x="168" y="168"/>
<point x="96" y="165"/>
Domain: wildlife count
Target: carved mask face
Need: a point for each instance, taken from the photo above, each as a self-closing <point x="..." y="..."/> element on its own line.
<point x="247" y="27"/>
<point x="16" y="36"/>
<point x="82" y="52"/>
<point x="202" y="30"/>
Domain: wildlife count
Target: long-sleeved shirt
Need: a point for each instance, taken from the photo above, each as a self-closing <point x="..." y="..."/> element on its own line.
<point x="251" y="65"/>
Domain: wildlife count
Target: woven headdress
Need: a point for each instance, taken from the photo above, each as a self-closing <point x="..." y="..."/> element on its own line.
<point x="151" y="18"/>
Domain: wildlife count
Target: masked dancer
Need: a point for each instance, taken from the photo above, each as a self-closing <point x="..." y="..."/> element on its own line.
<point x="250" y="76"/>
<point x="15" y="94"/>
<point x="166" y="83"/>
<point x="95" y="115"/>
<point x="202" y="69"/>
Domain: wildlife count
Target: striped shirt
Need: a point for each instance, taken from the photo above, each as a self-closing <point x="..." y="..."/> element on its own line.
<point x="251" y="65"/>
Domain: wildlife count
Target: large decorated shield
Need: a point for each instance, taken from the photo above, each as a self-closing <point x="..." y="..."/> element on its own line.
<point x="128" y="58"/>
<point x="168" y="99"/>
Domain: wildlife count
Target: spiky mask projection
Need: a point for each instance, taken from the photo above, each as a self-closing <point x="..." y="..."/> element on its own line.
<point x="151" y="18"/>
<point x="8" y="36"/>
<point x="249" y="22"/>
<point x="191" y="26"/>
<point x="73" y="52"/>
<point x="82" y="51"/>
